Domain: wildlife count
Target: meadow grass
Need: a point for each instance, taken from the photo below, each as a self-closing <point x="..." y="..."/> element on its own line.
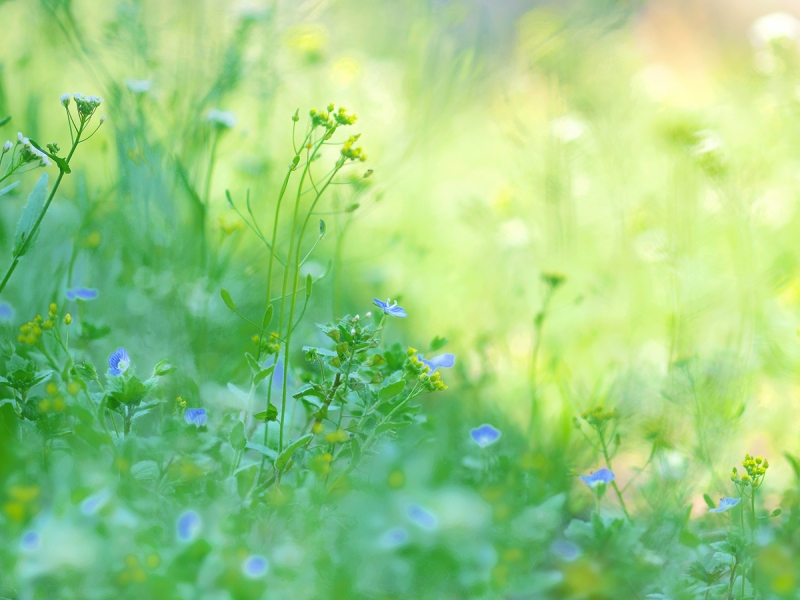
<point x="518" y="322"/>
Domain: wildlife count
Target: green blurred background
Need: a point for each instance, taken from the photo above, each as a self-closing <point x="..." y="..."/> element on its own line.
<point x="647" y="151"/>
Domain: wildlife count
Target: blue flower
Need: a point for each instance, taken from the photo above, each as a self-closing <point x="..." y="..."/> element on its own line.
<point x="393" y="538"/>
<point x="196" y="416"/>
<point x="565" y="550"/>
<point x="603" y="476"/>
<point x="725" y="504"/>
<point x="422" y="517"/>
<point x="485" y="435"/>
<point x="390" y="309"/>
<point x="95" y="502"/>
<point x="443" y="360"/>
<point x="118" y="362"/>
<point x="6" y="312"/>
<point x="188" y="526"/>
<point x="255" y="567"/>
<point x="82" y="294"/>
<point x="30" y="541"/>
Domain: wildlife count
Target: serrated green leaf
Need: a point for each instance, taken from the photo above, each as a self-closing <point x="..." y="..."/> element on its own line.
<point x="30" y="214"/>
<point x="391" y="390"/>
<point x="226" y="298"/>
<point x="145" y="471"/>
<point x="284" y="457"/>
<point x="263" y="374"/>
<point x="237" y="437"/>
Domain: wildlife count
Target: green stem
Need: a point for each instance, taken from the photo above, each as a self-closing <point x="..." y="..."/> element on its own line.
<point x="613" y="482"/>
<point x="24" y="247"/>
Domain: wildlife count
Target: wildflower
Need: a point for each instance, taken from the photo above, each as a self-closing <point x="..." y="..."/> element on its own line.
<point x="445" y="361"/>
<point x="196" y="417"/>
<point x="6" y="312"/>
<point x="82" y="294"/>
<point x="64" y="100"/>
<point x="188" y="526"/>
<point x="67" y="319"/>
<point x="390" y="309"/>
<point x="393" y="538"/>
<point x="119" y="362"/>
<point x="7" y="146"/>
<point x="221" y="118"/>
<point x="422" y="517"/>
<point x="255" y="566"/>
<point x="86" y="105"/>
<point x="725" y="504"/>
<point x="95" y="502"/>
<point x="485" y="435"/>
<point x="348" y="151"/>
<point x="30" y="541"/>
<point x="139" y="86"/>
<point x="602" y="476"/>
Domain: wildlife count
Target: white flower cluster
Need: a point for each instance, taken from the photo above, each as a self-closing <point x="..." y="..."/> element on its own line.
<point x="31" y="152"/>
<point x="86" y="104"/>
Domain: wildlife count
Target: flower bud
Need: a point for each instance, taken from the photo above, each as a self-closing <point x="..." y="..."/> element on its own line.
<point x="64" y="100"/>
<point x="67" y="319"/>
<point x="7" y="146"/>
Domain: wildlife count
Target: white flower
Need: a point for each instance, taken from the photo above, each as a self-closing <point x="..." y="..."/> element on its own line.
<point x="139" y="86"/>
<point x="22" y="139"/>
<point x="7" y="146"/>
<point x="773" y="27"/>
<point x="221" y="117"/>
<point x="65" y="100"/>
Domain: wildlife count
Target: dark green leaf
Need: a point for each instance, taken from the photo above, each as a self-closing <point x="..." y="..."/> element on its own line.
<point x="709" y="501"/>
<point x="438" y="343"/>
<point x="284" y="457"/>
<point x="309" y="283"/>
<point x="271" y="414"/>
<point x="391" y="390"/>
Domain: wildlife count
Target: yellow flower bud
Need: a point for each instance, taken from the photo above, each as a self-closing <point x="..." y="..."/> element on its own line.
<point x="53" y="307"/>
<point x="67" y="319"/>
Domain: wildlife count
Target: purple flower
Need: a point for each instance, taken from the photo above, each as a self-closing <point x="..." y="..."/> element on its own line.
<point x="725" y="504"/>
<point x="255" y="567"/>
<point x="82" y="294"/>
<point x="422" y="517"/>
<point x="390" y="309"/>
<point x="119" y="362"/>
<point x="603" y="476"/>
<point x="196" y="416"/>
<point x="6" y="312"/>
<point x="188" y="526"/>
<point x="443" y="360"/>
<point x="485" y="435"/>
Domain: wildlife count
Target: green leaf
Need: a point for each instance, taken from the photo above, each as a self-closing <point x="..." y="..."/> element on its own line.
<point x="271" y="414"/>
<point x="284" y="457"/>
<point x="254" y="366"/>
<point x="795" y="464"/>
<point x="186" y="565"/>
<point x="163" y="368"/>
<point x="8" y="188"/>
<point x="5" y="120"/>
<point x="438" y="343"/>
<point x="263" y="450"/>
<point x="309" y="282"/>
<point x="322" y="229"/>
<point x="92" y="436"/>
<point x="263" y="374"/>
<point x="62" y="164"/>
<point x="391" y="390"/>
<point x="267" y="317"/>
<point x="387" y="426"/>
<point x="145" y="471"/>
<point x="226" y="298"/>
<point x="228" y="198"/>
<point x="237" y="438"/>
<point x="30" y="213"/>
<point x="776" y="512"/>
<point x="309" y="390"/>
<point x="709" y="501"/>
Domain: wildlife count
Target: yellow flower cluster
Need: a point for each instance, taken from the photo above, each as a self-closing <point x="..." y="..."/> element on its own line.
<point x="337" y="437"/>
<point x="755" y="470"/>
<point x="348" y="151"/>
<point x="55" y="403"/>
<point x="597" y="416"/>
<point x="321" y="464"/>
<point x="21" y="502"/>
<point x="31" y="332"/>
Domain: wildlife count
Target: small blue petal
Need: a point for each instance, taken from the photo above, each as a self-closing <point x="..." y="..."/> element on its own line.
<point x="82" y="294"/>
<point x="29" y="541"/>
<point x="255" y="567"/>
<point x="565" y="550"/>
<point x="422" y="517"/>
<point x="95" y="502"/>
<point x="725" y="504"/>
<point x="393" y="538"/>
<point x="444" y="361"/>
<point x="485" y="435"/>
<point x="118" y="362"/>
<point x="188" y="526"/>
<point x="390" y="309"/>
<point x="600" y="476"/>
<point x="6" y="312"/>
<point x="196" y="416"/>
